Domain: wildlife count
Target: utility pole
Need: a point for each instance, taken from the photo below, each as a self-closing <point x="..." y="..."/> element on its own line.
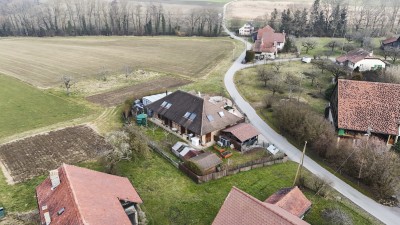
<point x="300" y="164"/>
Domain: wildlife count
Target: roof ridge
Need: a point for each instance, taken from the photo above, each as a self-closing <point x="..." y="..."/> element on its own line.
<point x="251" y="197"/>
<point x="367" y="82"/>
<point x="71" y="190"/>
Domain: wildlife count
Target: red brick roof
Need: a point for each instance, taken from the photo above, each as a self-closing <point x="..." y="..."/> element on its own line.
<point x="266" y="37"/>
<point x="354" y="56"/>
<point x="390" y="40"/>
<point x="291" y="200"/>
<point x="243" y="131"/>
<point x="266" y="29"/>
<point x="87" y="196"/>
<point x="362" y="104"/>
<point x="240" y="208"/>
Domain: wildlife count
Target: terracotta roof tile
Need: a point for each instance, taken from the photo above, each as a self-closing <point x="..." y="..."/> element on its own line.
<point x="390" y="40"/>
<point x="291" y="200"/>
<point x="354" y="56"/>
<point x="88" y="197"/>
<point x="240" y="208"/>
<point x="266" y="37"/>
<point x="362" y="104"/>
<point x="243" y="131"/>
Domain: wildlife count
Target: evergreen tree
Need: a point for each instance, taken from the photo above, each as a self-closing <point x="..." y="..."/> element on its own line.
<point x="273" y="20"/>
<point x="314" y="16"/>
<point x="163" y="24"/>
<point x="286" y="21"/>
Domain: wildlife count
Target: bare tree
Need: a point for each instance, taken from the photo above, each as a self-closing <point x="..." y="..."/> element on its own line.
<point x="264" y="75"/>
<point x="332" y="44"/>
<point x="121" y="150"/>
<point x="308" y="44"/>
<point x="68" y="82"/>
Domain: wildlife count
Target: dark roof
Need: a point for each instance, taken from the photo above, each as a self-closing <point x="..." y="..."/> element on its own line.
<point x="290" y="199"/>
<point x="390" y="40"/>
<point x="206" y="119"/>
<point x="354" y="56"/>
<point x="364" y="104"/>
<point x="206" y="160"/>
<point x="243" y="131"/>
<point x="87" y="196"/>
<point x="240" y="208"/>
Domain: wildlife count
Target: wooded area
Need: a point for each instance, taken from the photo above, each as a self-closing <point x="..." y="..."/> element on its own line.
<point x="102" y="17"/>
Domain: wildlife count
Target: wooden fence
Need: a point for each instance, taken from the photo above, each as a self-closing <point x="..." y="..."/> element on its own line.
<point x="232" y="170"/>
<point x="155" y="147"/>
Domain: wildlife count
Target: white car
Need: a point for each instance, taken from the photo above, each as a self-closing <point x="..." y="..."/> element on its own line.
<point x="306" y="59"/>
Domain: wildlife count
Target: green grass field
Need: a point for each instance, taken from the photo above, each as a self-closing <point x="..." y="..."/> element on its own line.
<point x="24" y="107"/>
<point x="172" y="198"/>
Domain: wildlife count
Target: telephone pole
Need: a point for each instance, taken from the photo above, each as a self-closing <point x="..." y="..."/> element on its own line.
<point x="300" y="164"/>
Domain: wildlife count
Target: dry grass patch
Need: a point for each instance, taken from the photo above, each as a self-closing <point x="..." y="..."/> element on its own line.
<point x="43" y="61"/>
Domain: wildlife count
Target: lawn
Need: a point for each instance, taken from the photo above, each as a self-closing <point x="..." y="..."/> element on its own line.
<point x="24" y="107"/>
<point x="43" y="61"/>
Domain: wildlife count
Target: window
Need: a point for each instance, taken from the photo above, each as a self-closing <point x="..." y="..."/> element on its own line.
<point x="192" y="116"/>
<point x="187" y="114"/>
<point x="164" y="104"/>
<point x="168" y="105"/>
<point x="221" y="114"/>
<point x="210" y="118"/>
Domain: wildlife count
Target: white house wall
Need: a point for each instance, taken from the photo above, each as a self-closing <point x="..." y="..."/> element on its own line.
<point x="367" y="64"/>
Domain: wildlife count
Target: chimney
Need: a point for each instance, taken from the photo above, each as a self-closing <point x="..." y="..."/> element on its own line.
<point x="199" y="94"/>
<point x="55" y="179"/>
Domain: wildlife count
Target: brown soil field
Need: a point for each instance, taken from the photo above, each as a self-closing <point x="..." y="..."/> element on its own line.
<point x="249" y="10"/>
<point x="118" y="96"/>
<point x="43" y="61"/>
<point x="38" y="154"/>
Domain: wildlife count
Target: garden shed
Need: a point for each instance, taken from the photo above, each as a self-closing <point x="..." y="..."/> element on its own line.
<point x="204" y="163"/>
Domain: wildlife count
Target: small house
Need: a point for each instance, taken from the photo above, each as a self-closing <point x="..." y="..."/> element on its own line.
<point x="292" y="200"/>
<point x="241" y="208"/>
<point x="206" y="163"/>
<point x="246" y="30"/>
<point x="268" y="43"/>
<point x="391" y="42"/>
<point x="360" y="60"/>
<point x="240" y="135"/>
<point x="74" y="195"/>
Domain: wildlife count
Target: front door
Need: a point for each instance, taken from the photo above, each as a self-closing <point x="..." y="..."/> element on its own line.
<point x="208" y="137"/>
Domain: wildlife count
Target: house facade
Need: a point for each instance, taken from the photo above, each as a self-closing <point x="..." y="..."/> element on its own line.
<point x="268" y="43"/>
<point x="360" y="60"/>
<point x="74" y="195"/>
<point x="246" y="30"/>
<point x="360" y="107"/>
<point x="391" y="42"/>
<point x="192" y="116"/>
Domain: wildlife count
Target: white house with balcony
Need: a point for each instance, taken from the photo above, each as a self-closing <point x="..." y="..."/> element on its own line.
<point x="246" y="30"/>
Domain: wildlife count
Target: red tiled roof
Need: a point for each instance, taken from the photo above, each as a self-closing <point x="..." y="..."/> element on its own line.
<point x="291" y="200"/>
<point x="362" y="104"/>
<point x="240" y="208"/>
<point x="390" y="40"/>
<point x="88" y="197"/>
<point x="266" y="38"/>
<point x="354" y="56"/>
<point x="243" y="131"/>
<point x="266" y="29"/>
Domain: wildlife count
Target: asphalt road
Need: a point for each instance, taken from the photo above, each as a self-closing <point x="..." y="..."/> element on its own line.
<point x="387" y="215"/>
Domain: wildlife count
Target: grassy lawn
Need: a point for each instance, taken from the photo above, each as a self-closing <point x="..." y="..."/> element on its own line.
<point x="24" y="107"/>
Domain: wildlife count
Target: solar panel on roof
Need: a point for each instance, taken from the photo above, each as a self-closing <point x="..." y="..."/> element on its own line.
<point x="210" y="118"/>
<point x="164" y="104"/>
<point x="168" y="105"/>
<point x="192" y="116"/>
<point x="187" y="114"/>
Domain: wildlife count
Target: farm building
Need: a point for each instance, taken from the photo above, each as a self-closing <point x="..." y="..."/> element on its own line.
<point x="360" y="60"/>
<point x="241" y="208"/>
<point x="152" y="98"/>
<point x="240" y="135"/>
<point x="292" y="200"/>
<point x="194" y="117"/>
<point x="366" y="107"/>
<point x="391" y="42"/>
<point x="268" y="43"/>
<point x="74" y="195"/>
<point x="206" y="162"/>
<point x="246" y="30"/>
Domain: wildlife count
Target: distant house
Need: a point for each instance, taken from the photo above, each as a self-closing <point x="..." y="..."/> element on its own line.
<point x="268" y="43"/>
<point x="391" y="42"/>
<point x="246" y="30"/>
<point x="192" y="116"/>
<point x="240" y="135"/>
<point x="292" y="200"/>
<point x="206" y="162"/>
<point x="362" y="107"/>
<point x="360" y="60"/>
<point x="74" y="195"/>
<point x="241" y="208"/>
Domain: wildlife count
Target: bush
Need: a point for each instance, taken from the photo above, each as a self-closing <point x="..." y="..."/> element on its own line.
<point x="193" y="167"/>
<point x="337" y="216"/>
<point x="329" y="91"/>
<point x="250" y="55"/>
<point x="396" y="147"/>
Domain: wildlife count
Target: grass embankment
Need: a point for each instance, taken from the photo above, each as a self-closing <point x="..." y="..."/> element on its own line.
<point x="24" y="107"/>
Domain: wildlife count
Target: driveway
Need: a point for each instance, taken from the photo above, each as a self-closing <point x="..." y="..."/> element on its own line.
<point x="385" y="214"/>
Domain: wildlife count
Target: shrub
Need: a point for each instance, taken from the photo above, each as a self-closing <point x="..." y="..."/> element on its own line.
<point x="329" y="91"/>
<point x="250" y="55"/>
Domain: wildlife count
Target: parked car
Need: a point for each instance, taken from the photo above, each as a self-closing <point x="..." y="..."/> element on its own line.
<point x="306" y="59"/>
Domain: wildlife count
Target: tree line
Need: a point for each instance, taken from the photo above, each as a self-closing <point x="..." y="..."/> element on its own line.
<point x="337" y="18"/>
<point x="101" y="17"/>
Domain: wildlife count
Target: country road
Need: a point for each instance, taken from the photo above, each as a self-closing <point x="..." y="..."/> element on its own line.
<point x="387" y="215"/>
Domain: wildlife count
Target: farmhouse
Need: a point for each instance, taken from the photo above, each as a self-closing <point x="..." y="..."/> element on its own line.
<point x="246" y="30"/>
<point x="241" y="208"/>
<point x="360" y="60"/>
<point x="391" y="42"/>
<point x="292" y="200"/>
<point x="196" y="118"/>
<point x="366" y="107"/>
<point x="74" y="195"/>
<point x="240" y="135"/>
<point x="268" y="43"/>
